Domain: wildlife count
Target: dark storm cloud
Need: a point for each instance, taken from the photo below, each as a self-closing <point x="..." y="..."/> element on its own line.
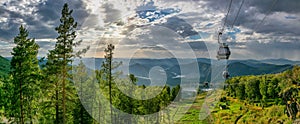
<point x="263" y="6"/>
<point x="9" y="28"/>
<point x="40" y="23"/>
<point x="249" y="18"/>
<point x="111" y="14"/>
<point x="289" y="6"/>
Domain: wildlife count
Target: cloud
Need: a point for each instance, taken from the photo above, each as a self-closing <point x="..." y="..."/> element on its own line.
<point x="277" y="49"/>
<point x="198" y="46"/>
<point x="6" y="48"/>
<point x="207" y="19"/>
<point x="161" y="24"/>
<point x="45" y="45"/>
<point x="39" y="17"/>
<point x="111" y="14"/>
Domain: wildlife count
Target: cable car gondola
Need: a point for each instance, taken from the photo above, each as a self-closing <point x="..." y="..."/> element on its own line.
<point x="224" y="51"/>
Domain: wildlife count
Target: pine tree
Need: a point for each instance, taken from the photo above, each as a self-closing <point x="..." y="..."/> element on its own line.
<point x="25" y="73"/>
<point x="108" y="67"/>
<point x="58" y="67"/>
<point x="106" y="78"/>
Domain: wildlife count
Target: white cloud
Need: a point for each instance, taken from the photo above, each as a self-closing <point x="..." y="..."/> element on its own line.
<point x="6" y="48"/>
<point x="24" y="7"/>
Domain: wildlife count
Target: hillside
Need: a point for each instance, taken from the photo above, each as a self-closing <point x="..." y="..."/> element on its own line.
<point x="248" y="68"/>
<point x="4" y="67"/>
<point x="260" y="99"/>
<point x="275" y="96"/>
<point x="281" y="61"/>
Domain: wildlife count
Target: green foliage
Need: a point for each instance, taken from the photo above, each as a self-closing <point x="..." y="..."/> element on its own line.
<point x="268" y="90"/>
<point x="239" y="111"/>
<point x="272" y="86"/>
<point x="4" y="67"/>
<point x="85" y="96"/>
<point x="21" y="84"/>
<point x="23" y="100"/>
<point x="252" y="88"/>
<point x="240" y="91"/>
<point x="174" y="93"/>
<point x="59" y="101"/>
<point x="84" y="85"/>
<point x="60" y="90"/>
<point x="121" y="101"/>
<point x="263" y="88"/>
<point x="3" y="99"/>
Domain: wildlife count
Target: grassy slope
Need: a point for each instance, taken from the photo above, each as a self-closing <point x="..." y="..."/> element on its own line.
<point x="192" y="116"/>
<point x="249" y="113"/>
<point x="236" y="109"/>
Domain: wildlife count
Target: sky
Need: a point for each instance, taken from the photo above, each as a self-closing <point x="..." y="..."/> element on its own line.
<point x="161" y="28"/>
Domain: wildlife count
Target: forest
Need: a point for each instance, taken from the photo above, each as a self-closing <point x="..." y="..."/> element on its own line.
<point x="51" y="90"/>
<point x="32" y="92"/>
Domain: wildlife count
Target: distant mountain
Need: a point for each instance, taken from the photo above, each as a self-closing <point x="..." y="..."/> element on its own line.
<point x="247" y="68"/>
<point x="141" y="68"/>
<point x="249" y="62"/>
<point x="173" y="67"/>
<point x="281" y="61"/>
<point x="204" y="60"/>
<point x="4" y="67"/>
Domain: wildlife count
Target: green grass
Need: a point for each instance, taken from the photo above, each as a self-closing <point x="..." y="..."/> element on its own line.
<point x="246" y="113"/>
<point x="192" y="116"/>
<point x="250" y="113"/>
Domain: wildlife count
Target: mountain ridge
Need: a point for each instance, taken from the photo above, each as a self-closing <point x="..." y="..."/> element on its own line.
<point x="172" y="67"/>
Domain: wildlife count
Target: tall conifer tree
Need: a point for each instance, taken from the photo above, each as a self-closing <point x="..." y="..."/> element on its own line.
<point x="25" y="78"/>
<point x="58" y="67"/>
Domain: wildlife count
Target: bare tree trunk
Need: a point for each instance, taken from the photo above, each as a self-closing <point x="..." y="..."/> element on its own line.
<point x="110" y="96"/>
